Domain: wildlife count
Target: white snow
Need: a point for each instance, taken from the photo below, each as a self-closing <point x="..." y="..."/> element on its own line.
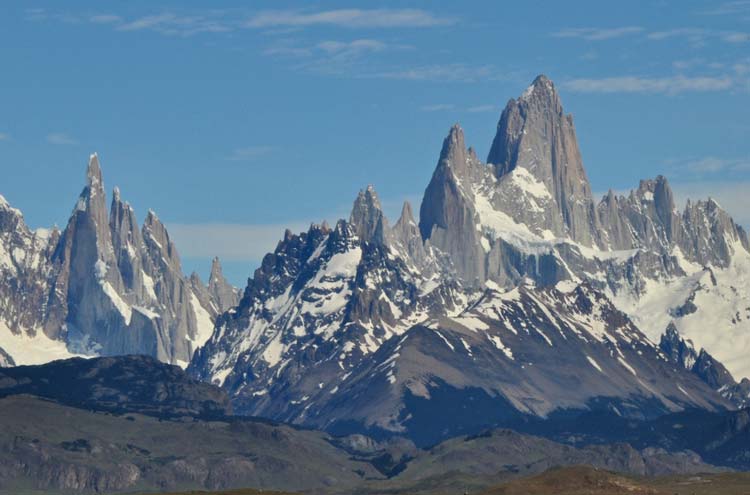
<point x="721" y="324"/>
<point x="500" y="225"/>
<point x="100" y="269"/>
<point x="471" y="322"/>
<point x="38" y="349"/>
<point x="446" y="341"/>
<point x="148" y="285"/>
<point x="273" y="351"/>
<point x="499" y="344"/>
<point x="334" y="279"/>
<point x="205" y="326"/>
<point x="122" y="307"/>
<point x="626" y="365"/>
<point x="594" y="364"/>
<point x="148" y="313"/>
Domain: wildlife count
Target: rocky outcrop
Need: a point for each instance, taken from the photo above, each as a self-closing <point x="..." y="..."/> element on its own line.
<point x="102" y="286"/>
<point x="682" y="353"/>
<point x="447" y="216"/>
<point x="536" y="135"/>
<point x="367" y="218"/>
<point x="26" y="304"/>
<point x="221" y="292"/>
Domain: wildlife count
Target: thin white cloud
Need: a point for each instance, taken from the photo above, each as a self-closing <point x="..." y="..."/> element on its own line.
<point x="348" y="18"/>
<point x="105" y="19"/>
<point x="598" y="34"/>
<point x="351" y="48"/>
<point x="440" y="72"/>
<point x="249" y="153"/>
<point x="437" y="107"/>
<point x="60" y="138"/>
<point x="172" y="24"/>
<point x="711" y="165"/>
<point x="482" y="108"/>
<point x="699" y="36"/>
<point x="729" y="8"/>
<point x="4" y="136"/>
<point x="636" y="84"/>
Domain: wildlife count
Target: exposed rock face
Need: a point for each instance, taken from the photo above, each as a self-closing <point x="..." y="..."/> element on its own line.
<point x="535" y="134"/>
<point x="25" y="300"/>
<point x="447" y="217"/>
<point x="702" y="364"/>
<point x="224" y="294"/>
<point x="101" y="287"/>
<point x="367" y="217"/>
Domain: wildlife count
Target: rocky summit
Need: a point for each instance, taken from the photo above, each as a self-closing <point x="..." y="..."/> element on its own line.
<point x="102" y="286"/>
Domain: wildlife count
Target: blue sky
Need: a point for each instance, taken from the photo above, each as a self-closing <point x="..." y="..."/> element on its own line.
<point x="233" y="120"/>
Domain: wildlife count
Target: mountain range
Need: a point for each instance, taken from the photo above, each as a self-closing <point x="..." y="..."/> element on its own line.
<point x="514" y="297"/>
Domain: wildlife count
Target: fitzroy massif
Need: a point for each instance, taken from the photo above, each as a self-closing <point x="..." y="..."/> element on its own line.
<point x="514" y="296"/>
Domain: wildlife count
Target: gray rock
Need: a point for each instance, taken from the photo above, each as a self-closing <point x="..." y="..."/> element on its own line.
<point x="104" y="287"/>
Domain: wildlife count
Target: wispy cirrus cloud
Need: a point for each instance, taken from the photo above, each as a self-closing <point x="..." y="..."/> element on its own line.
<point x="482" y="108"/>
<point x="348" y="18"/>
<point x="729" y="8"/>
<point x="694" y="35"/>
<point x="437" y="107"/>
<point x="444" y="107"/>
<point x="60" y="139"/>
<point x="700" y="35"/>
<point x="331" y="48"/>
<point x="249" y="153"/>
<point x="456" y="72"/>
<point x="332" y="57"/>
<point x="4" y="136"/>
<point x="190" y="22"/>
<point x="635" y="84"/>
<point x="598" y="34"/>
<point x="703" y="166"/>
<point x="172" y="24"/>
<point x="104" y="19"/>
